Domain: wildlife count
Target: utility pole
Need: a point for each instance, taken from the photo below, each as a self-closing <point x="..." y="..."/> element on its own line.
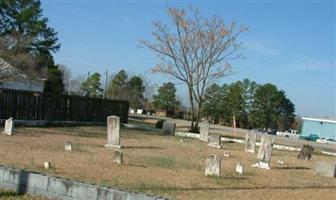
<point x="106" y="76"/>
<point x="69" y="87"/>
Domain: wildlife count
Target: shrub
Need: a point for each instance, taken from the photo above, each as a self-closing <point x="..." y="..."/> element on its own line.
<point x="159" y="123"/>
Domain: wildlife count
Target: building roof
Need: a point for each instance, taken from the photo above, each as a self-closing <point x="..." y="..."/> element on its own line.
<point x="319" y="120"/>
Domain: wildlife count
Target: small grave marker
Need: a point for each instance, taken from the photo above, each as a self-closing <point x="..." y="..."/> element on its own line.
<point x="204" y="131"/>
<point x="9" y="126"/>
<point x="168" y="128"/>
<point x="215" y="141"/>
<point x="226" y="154"/>
<point x="306" y="152"/>
<point x="250" y="141"/>
<point x="326" y="169"/>
<point x="117" y="156"/>
<point x="213" y="166"/>
<point x="68" y="146"/>
<point x="46" y="165"/>
<point x="240" y="168"/>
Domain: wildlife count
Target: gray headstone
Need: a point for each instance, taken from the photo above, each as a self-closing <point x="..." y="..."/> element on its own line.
<point x="113" y="132"/>
<point x="204" y="131"/>
<point x="215" y="141"/>
<point x="250" y="141"/>
<point x="326" y="169"/>
<point x="240" y="168"/>
<point x="168" y="128"/>
<point x="265" y="152"/>
<point x="213" y="166"/>
<point x="306" y="152"/>
<point x="68" y="146"/>
<point x="9" y="126"/>
<point x="117" y="156"/>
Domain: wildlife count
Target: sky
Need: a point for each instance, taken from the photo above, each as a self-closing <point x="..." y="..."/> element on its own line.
<point x="290" y="44"/>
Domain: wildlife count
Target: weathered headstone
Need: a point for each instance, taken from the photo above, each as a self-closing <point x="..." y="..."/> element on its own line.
<point x="46" y="165"/>
<point x="215" y="141"/>
<point x="204" y="131"/>
<point x="9" y="126"/>
<point x="226" y="154"/>
<point x="326" y="169"/>
<point x="168" y="128"/>
<point x="250" y="141"/>
<point x="113" y="132"/>
<point x="117" y="156"/>
<point x="240" y="168"/>
<point x="306" y="152"/>
<point x="280" y="162"/>
<point x="213" y="166"/>
<point x="265" y="152"/>
<point x="68" y="146"/>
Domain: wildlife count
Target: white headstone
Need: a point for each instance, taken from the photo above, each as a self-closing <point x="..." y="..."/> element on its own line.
<point x="68" y="146"/>
<point x="240" y="168"/>
<point x="47" y="165"/>
<point x="204" y="131"/>
<point x="265" y="152"/>
<point x="9" y="126"/>
<point x="250" y="141"/>
<point x="113" y="132"/>
<point x="215" y="141"/>
<point x="226" y="154"/>
<point x="213" y="166"/>
<point x="117" y="156"/>
<point x="326" y="169"/>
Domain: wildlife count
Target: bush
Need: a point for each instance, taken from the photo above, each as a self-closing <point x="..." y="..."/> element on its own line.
<point x="159" y="123"/>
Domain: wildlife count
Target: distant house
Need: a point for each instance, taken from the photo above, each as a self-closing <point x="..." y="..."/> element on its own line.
<point x="21" y="81"/>
<point x="324" y="128"/>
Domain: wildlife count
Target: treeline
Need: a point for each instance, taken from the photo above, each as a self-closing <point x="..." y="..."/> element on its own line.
<point x="251" y="105"/>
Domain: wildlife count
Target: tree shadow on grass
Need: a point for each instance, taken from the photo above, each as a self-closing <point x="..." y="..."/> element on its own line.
<point x="299" y="168"/>
<point x="142" y="147"/>
<point x="240" y="188"/>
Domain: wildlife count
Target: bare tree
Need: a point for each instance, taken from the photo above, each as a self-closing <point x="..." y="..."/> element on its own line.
<point x="15" y="65"/>
<point x="196" y="51"/>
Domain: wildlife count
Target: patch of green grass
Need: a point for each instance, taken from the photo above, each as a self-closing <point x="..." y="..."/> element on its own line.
<point x="167" y="162"/>
<point x="10" y="195"/>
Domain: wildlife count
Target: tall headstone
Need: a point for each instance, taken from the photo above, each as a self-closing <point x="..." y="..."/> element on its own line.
<point x="265" y="152"/>
<point x="326" y="169"/>
<point x="250" y="141"/>
<point x="215" y="141"/>
<point x="113" y="132"/>
<point x="204" y="131"/>
<point x="117" y="156"/>
<point x="306" y="152"/>
<point x="213" y="166"/>
<point x="168" y="128"/>
<point x="9" y="126"/>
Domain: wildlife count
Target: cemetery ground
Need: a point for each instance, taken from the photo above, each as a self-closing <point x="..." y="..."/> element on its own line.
<point x="163" y="165"/>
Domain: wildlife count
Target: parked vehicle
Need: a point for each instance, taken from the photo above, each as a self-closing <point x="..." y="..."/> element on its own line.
<point x="310" y="137"/>
<point x="326" y="141"/>
<point x="291" y="134"/>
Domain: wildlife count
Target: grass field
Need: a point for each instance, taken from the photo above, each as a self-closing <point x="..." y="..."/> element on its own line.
<point x="163" y="165"/>
<point x="9" y="195"/>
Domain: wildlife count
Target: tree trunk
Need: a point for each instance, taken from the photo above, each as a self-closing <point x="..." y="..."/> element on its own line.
<point x="192" y="109"/>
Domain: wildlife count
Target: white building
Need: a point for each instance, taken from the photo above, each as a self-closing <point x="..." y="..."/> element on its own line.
<point x="21" y="81"/>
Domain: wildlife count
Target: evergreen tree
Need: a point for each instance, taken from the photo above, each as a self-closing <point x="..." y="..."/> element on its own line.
<point x="117" y="88"/>
<point x="92" y="86"/>
<point x="136" y="92"/>
<point x="166" y="98"/>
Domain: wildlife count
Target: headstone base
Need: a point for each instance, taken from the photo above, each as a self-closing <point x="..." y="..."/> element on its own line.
<point x="113" y="146"/>
<point x="7" y="133"/>
<point x="262" y="165"/>
<point x="214" y="146"/>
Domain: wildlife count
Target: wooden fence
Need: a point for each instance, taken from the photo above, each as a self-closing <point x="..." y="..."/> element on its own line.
<point x="25" y="105"/>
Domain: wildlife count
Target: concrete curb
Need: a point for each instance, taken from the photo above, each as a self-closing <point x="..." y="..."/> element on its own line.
<point x="33" y="183"/>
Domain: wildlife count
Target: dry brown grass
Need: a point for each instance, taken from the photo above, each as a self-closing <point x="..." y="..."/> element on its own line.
<point x="163" y="165"/>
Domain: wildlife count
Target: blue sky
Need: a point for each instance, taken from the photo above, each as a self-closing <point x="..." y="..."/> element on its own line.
<point x="290" y="43"/>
